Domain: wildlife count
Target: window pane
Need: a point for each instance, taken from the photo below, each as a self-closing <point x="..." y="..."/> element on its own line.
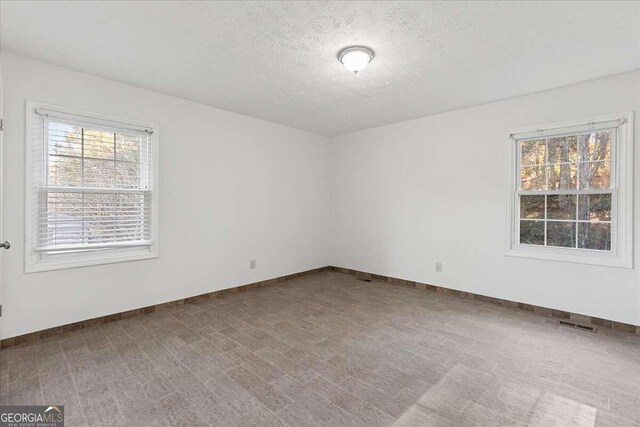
<point x="531" y="206"/>
<point x="98" y="211"/>
<point x="98" y="173"/>
<point x="63" y="212"/>
<point x="64" y="171"/>
<point x="532" y="178"/>
<point x="595" y="146"/>
<point x="85" y="218"/>
<point x="127" y="175"/>
<point x="128" y="147"/>
<point x="595" y="175"/>
<point x="130" y="219"/>
<point x="64" y="140"/>
<point x="532" y="232"/>
<point x="561" y="207"/>
<point x="532" y="152"/>
<point x="563" y="176"/>
<point x="98" y="144"/>
<point x="561" y="234"/>
<point x="563" y="149"/>
<point x="594" y="236"/>
<point x="594" y="207"/>
<point x="63" y="206"/>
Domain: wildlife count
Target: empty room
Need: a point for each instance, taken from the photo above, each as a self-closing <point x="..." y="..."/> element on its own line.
<point x="319" y="213"/>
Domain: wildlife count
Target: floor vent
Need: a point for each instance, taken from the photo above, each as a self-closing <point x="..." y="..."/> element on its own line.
<point x="577" y="326"/>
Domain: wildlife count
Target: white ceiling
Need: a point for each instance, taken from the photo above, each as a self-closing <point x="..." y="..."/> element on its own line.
<point x="276" y="60"/>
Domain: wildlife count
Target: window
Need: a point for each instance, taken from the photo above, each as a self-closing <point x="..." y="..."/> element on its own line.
<point x="570" y="192"/>
<point x="91" y="189"/>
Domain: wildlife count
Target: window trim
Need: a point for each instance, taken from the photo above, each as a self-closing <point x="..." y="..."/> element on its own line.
<point x="621" y="254"/>
<point x="33" y="262"/>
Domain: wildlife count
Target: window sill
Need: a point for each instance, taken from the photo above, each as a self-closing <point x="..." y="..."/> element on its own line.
<point x="36" y="265"/>
<point x="606" y="259"/>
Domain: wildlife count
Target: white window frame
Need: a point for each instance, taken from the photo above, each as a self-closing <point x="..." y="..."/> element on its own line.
<point x="34" y="261"/>
<point x="621" y="253"/>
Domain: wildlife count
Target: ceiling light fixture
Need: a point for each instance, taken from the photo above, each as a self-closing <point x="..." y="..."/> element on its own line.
<point x="355" y="58"/>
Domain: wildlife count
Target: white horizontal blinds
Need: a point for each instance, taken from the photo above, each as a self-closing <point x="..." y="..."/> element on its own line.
<point x="94" y="184"/>
<point x="566" y="188"/>
<point x="89" y="120"/>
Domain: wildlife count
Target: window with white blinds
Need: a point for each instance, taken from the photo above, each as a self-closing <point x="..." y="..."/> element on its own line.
<point x="92" y="193"/>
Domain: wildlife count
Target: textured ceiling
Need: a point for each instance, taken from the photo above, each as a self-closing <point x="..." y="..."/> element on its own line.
<point x="276" y="60"/>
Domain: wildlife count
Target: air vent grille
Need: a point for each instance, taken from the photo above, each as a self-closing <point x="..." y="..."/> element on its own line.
<point x="577" y="326"/>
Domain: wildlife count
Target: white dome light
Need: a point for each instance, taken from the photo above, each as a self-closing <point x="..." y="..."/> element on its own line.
<point x="355" y="58"/>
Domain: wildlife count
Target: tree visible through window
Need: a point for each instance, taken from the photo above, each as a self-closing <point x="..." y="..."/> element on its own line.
<point x="565" y="190"/>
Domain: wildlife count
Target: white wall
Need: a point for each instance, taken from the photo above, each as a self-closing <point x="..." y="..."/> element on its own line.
<point x="232" y="188"/>
<point x="433" y="189"/>
<point x="390" y="200"/>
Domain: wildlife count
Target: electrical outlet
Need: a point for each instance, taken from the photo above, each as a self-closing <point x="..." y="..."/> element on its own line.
<point x="252" y="264"/>
<point x="439" y="267"/>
